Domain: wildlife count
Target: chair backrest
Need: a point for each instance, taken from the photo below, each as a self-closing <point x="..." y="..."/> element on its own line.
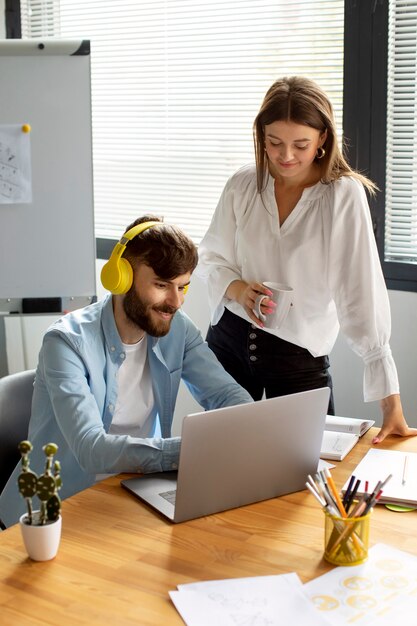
<point x="16" y="392"/>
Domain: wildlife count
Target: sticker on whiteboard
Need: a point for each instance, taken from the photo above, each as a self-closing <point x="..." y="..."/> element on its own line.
<point x="15" y="164"/>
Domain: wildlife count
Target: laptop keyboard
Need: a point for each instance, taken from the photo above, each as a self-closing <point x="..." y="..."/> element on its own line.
<point x="169" y="495"/>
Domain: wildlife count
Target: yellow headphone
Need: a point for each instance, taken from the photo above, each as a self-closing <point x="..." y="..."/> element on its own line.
<point x="117" y="273"/>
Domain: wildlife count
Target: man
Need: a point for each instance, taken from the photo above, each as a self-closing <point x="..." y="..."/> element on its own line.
<point x="108" y="374"/>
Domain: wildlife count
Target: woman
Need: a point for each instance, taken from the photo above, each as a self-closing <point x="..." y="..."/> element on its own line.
<point x="299" y="216"/>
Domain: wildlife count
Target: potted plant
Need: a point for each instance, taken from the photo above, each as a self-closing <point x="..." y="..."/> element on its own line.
<point x="41" y="529"/>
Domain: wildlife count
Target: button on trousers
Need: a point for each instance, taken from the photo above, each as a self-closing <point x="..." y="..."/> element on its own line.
<point x="263" y="363"/>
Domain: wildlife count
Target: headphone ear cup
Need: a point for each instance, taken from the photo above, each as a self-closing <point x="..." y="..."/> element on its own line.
<point x="126" y="277"/>
<point x="117" y="276"/>
<point x="110" y="274"/>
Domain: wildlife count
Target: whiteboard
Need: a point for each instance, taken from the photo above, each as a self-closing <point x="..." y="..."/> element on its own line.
<point x="47" y="245"/>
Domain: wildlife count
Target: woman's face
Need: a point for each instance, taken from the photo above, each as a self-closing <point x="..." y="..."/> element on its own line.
<point x="291" y="150"/>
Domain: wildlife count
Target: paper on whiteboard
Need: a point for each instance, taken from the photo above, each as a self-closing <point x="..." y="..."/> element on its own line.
<point x="15" y="165"/>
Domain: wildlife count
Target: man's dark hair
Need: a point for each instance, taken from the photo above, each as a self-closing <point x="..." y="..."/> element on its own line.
<point x="165" y="248"/>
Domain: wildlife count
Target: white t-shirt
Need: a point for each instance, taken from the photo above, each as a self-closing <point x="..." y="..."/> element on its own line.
<point x="325" y="250"/>
<point x="134" y="413"/>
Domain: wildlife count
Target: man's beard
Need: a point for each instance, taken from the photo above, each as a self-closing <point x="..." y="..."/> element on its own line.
<point x="139" y="312"/>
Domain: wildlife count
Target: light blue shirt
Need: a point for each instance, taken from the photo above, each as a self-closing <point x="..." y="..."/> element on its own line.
<point x="76" y="391"/>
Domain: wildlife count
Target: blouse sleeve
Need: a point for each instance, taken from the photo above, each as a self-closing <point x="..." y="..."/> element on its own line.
<point x="217" y="264"/>
<point x="358" y="288"/>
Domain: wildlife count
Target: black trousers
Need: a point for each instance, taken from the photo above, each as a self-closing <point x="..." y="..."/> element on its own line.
<point x="261" y="362"/>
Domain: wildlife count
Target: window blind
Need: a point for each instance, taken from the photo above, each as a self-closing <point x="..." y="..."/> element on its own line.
<point x="176" y="85"/>
<point x="401" y="164"/>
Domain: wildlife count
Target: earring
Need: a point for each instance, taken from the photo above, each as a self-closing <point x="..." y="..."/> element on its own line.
<point x="320" y="152"/>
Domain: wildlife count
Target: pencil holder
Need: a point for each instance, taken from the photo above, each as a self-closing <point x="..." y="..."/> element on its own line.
<point x="346" y="539"/>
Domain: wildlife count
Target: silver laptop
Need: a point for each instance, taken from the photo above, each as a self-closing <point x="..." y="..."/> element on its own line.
<point x="239" y="455"/>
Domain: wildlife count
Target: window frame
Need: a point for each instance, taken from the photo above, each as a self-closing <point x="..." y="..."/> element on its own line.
<point x="365" y="116"/>
<point x="12" y="19"/>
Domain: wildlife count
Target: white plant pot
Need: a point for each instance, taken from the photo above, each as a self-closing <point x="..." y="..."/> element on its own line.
<point x="41" y="542"/>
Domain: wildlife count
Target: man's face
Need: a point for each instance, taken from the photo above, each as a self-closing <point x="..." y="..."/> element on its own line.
<point x="152" y="302"/>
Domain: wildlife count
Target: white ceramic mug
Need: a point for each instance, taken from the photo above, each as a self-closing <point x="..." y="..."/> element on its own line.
<point x="282" y="295"/>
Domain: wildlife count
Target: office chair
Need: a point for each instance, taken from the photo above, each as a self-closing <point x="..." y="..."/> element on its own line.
<point x="16" y="392"/>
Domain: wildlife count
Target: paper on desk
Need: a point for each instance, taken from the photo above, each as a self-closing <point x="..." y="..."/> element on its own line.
<point x="198" y="610"/>
<point x="401" y="611"/>
<point x="323" y="464"/>
<point x="259" y="601"/>
<point x="368" y="593"/>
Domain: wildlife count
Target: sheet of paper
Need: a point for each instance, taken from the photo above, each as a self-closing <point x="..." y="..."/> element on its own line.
<point x="359" y="594"/>
<point x="196" y="609"/>
<point x="323" y="464"/>
<point x="402" y="611"/>
<point x="15" y="165"/>
<point x="337" y="445"/>
<point x="253" y="601"/>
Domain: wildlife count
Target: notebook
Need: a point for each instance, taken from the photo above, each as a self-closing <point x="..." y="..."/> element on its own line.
<point x="341" y="434"/>
<point x="238" y="455"/>
<point x="377" y="464"/>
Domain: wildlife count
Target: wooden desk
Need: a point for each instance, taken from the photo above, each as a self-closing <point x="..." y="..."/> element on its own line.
<point x="118" y="559"/>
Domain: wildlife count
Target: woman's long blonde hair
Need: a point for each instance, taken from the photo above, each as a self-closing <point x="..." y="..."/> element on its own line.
<point x="300" y="100"/>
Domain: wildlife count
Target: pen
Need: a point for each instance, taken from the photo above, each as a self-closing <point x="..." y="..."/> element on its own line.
<point x="384" y="482"/>
<point x="322" y="496"/>
<point x="405" y="470"/>
<point x="330" y="504"/>
<point x="311" y="486"/>
<point x="360" y="506"/>
<point x="335" y="494"/>
<point x="352" y="494"/>
<point x="324" y="490"/>
<point x="372" y="501"/>
<point x="373" y="497"/>
<point x="316" y="495"/>
<point x="348" y="490"/>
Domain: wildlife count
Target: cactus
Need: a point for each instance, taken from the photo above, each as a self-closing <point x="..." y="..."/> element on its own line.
<point x="27" y="479"/>
<point x="45" y="486"/>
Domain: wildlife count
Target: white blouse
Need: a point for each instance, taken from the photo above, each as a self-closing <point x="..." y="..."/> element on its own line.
<point x="325" y="251"/>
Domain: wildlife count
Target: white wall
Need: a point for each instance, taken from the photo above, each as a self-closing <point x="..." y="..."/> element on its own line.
<point x="348" y="370"/>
